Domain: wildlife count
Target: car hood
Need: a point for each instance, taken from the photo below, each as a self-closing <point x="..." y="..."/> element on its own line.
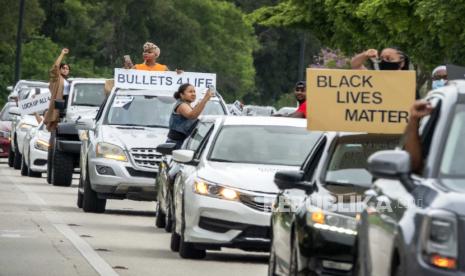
<point x="83" y="111"/>
<point x="133" y="137"/>
<point x="251" y="177"/>
<point x="451" y="200"/>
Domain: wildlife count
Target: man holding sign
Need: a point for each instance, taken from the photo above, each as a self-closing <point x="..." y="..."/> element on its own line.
<point x="359" y="100"/>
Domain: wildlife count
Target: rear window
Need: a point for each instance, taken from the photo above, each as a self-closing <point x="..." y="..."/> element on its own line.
<point x="88" y="94"/>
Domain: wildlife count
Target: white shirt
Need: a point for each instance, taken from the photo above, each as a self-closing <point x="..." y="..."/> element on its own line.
<point x="66" y="87"/>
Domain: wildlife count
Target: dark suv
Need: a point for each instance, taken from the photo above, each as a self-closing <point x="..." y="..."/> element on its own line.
<point x="414" y="224"/>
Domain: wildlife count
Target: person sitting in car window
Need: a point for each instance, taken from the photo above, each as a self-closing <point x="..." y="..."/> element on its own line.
<point x="184" y="117"/>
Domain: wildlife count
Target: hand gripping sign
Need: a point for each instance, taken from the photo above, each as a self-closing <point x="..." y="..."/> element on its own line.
<point x="359" y="100"/>
<point x="161" y="80"/>
<point x="38" y="103"/>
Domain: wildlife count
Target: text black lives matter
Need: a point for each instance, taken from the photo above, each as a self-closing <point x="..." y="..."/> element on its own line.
<point x="359" y="90"/>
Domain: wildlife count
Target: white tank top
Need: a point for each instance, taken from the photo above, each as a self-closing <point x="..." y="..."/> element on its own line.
<point x="66" y="86"/>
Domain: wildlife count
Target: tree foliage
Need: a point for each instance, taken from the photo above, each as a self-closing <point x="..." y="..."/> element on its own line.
<point x="428" y="30"/>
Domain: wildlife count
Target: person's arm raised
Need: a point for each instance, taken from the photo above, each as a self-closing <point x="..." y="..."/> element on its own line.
<point x="193" y="113"/>
<point x="358" y="61"/>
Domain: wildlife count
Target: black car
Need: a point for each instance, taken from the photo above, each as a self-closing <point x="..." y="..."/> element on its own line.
<point x="168" y="170"/>
<point x="414" y="223"/>
<point x="314" y="218"/>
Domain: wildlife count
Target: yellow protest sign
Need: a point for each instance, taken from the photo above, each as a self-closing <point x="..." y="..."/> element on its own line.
<point x="359" y="100"/>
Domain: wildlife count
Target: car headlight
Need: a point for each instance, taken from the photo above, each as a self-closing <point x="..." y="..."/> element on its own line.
<point x="439" y="239"/>
<point x="203" y="187"/>
<point x="110" y="151"/>
<point x="25" y="127"/>
<point x="41" y="145"/>
<point x="332" y="222"/>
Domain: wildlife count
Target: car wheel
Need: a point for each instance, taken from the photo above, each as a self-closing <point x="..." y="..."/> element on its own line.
<point x="17" y="159"/>
<point x="80" y="196"/>
<point x="24" y="167"/>
<point x="160" y="218"/>
<point x="168" y="215"/>
<point x="91" y="203"/>
<point x="49" y="164"/>
<point x="187" y="250"/>
<point x="11" y="156"/>
<point x="272" y="262"/>
<point x="175" y="241"/>
<point x="396" y="266"/>
<point x="62" y="169"/>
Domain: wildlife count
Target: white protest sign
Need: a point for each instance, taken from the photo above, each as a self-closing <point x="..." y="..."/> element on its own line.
<point x="161" y="80"/>
<point x="37" y="104"/>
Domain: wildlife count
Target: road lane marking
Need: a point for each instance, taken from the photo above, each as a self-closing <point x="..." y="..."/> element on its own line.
<point x="94" y="259"/>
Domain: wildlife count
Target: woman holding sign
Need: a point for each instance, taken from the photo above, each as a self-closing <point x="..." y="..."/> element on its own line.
<point x="59" y="89"/>
<point x="184" y="117"/>
<point x="389" y="59"/>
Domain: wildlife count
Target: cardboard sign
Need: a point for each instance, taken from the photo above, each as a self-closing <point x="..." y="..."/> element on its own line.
<point x="161" y="80"/>
<point x="359" y="100"/>
<point x="37" y="104"/>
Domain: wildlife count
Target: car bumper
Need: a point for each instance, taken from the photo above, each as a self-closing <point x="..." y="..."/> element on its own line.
<point x="38" y="161"/>
<point x="213" y="223"/>
<point x="4" y="146"/>
<point x="326" y="252"/>
<point x="415" y="265"/>
<point x="115" y="179"/>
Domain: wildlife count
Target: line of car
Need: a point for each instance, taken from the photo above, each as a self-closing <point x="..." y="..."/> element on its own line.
<point x="321" y="203"/>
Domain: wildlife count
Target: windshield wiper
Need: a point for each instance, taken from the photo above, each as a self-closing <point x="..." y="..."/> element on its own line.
<point x="129" y="126"/>
<point x="84" y="104"/>
<point x="221" y="160"/>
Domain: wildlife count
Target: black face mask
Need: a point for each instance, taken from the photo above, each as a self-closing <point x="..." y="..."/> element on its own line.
<point x="386" y="65"/>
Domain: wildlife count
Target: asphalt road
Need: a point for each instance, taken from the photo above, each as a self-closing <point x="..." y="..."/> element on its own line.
<point x="42" y="232"/>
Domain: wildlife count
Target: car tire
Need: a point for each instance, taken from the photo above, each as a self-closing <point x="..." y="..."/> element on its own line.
<point x="187" y="250"/>
<point x="62" y="169"/>
<point x="91" y="203"/>
<point x="80" y="196"/>
<point x="175" y="241"/>
<point x="168" y="216"/>
<point x="17" y="158"/>
<point x="160" y="218"/>
<point x="24" y="167"/>
<point x="272" y="262"/>
<point x="397" y="268"/>
<point x="49" y="164"/>
<point x="11" y="156"/>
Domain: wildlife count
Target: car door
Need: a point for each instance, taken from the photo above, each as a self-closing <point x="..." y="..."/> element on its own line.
<point x="197" y="143"/>
<point x="283" y="212"/>
<point x="389" y="203"/>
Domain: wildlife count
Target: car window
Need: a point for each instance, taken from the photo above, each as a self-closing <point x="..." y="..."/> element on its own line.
<point x="5" y="115"/>
<point x="348" y="158"/>
<point x="198" y="135"/>
<point x="453" y="159"/>
<point x="88" y="94"/>
<point x="428" y="125"/>
<point x="214" y="108"/>
<point x="140" y="110"/>
<point x="273" y="145"/>
<point x="311" y="164"/>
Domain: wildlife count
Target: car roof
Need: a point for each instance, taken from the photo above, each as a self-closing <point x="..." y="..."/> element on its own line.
<point x="87" y="80"/>
<point x="264" y="120"/>
<point x="32" y="83"/>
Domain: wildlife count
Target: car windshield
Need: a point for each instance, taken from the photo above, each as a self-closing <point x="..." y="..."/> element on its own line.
<point x="140" y="110"/>
<point x="348" y="161"/>
<point x="6" y="116"/>
<point x="214" y="108"/>
<point x="274" y="145"/>
<point x="453" y="159"/>
<point x="88" y="94"/>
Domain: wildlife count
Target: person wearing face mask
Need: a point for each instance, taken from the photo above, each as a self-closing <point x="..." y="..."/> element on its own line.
<point x="150" y="55"/>
<point x="389" y="59"/>
<point x="439" y="76"/>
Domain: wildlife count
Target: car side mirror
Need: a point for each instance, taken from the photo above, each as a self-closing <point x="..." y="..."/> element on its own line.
<point x="166" y="148"/>
<point x="60" y="105"/>
<point x="14" y="111"/>
<point x="85" y="124"/>
<point x="183" y="156"/>
<point x="292" y="180"/>
<point x="390" y="164"/>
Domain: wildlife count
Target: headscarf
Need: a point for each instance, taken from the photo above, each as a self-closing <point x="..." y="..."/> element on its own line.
<point x="439" y="68"/>
<point x="149" y="46"/>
